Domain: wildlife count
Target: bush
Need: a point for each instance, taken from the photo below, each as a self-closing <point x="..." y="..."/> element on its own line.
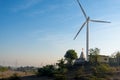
<point x="60" y="77"/>
<point x="101" y="79"/>
<point x="85" y="77"/>
<point x="80" y="71"/>
<point x="62" y="71"/>
<point x="47" y="70"/>
<point x="14" y="77"/>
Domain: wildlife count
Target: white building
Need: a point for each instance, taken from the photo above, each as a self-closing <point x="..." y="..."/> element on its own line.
<point x="81" y="59"/>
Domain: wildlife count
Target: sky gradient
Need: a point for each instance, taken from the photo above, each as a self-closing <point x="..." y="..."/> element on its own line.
<point x="39" y="32"/>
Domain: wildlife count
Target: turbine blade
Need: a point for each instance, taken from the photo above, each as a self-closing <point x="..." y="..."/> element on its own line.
<point x="82" y="9"/>
<point x="80" y="29"/>
<point x="100" y="21"/>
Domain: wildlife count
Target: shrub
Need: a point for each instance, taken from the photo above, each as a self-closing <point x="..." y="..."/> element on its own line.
<point x="85" y="77"/>
<point x="60" y="77"/>
<point x="14" y="77"/>
<point x="80" y="71"/>
<point x="47" y="70"/>
<point x="101" y="70"/>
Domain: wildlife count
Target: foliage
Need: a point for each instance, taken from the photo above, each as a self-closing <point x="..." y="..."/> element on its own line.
<point x="14" y="77"/>
<point x="70" y="56"/>
<point x="86" y="77"/>
<point x="94" y="54"/>
<point x="118" y="58"/>
<point x="2" y="69"/>
<point x="118" y="54"/>
<point x="60" y="77"/>
<point x="80" y="71"/>
<point x="61" y="63"/>
<point x="115" y="59"/>
<point x="61" y="66"/>
<point x="47" y="70"/>
<point x="101" y="70"/>
<point x="92" y="70"/>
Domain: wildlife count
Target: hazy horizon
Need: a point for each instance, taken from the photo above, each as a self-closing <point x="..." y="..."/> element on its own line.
<point x="39" y="32"/>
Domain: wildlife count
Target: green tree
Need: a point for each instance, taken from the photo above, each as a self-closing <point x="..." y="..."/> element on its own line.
<point x="61" y="63"/>
<point x="94" y="54"/>
<point x="112" y="59"/>
<point x="61" y="66"/>
<point x="3" y="69"/>
<point x="47" y="70"/>
<point x="118" y="58"/>
<point x="70" y="56"/>
<point x="115" y="59"/>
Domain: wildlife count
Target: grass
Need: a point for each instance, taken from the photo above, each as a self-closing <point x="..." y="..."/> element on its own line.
<point x="10" y="73"/>
<point x="73" y="73"/>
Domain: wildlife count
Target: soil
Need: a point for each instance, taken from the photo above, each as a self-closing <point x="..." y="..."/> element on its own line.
<point x="30" y="76"/>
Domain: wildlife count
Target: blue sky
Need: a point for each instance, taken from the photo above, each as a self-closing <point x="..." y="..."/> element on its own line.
<point x="39" y="32"/>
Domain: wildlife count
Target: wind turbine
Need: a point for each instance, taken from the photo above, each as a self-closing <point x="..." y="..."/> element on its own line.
<point x="87" y="29"/>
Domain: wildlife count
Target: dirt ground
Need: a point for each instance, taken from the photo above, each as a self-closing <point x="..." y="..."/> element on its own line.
<point x="116" y="76"/>
<point x="35" y="78"/>
<point x="30" y="76"/>
<point x="22" y="75"/>
<point x="9" y="73"/>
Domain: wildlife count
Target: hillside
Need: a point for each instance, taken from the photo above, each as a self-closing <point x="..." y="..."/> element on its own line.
<point x="75" y="72"/>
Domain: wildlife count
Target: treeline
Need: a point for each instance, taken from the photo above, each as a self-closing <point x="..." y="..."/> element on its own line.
<point x="65" y="69"/>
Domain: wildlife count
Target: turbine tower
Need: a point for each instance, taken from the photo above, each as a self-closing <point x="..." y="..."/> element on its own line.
<point x="87" y="29"/>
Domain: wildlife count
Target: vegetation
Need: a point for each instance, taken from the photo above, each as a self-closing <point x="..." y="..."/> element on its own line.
<point x="118" y="58"/>
<point x="3" y="69"/>
<point x="60" y="77"/>
<point x="94" y="54"/>
<point x="14" y="77"/>
<point x="61" y="66"/>
<point x="115" y="59"/>
<point x="66" y="70"/>
<point x="92" y="70"/>
<point x="70" y="56"/>
<point x="47" y="70"/>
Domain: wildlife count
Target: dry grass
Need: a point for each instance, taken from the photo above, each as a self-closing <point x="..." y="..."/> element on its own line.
<point x="35" y="78"/>
<point x="9" y="73"/>
<point x="22" y="75"/>
<point x="30" y="76"/>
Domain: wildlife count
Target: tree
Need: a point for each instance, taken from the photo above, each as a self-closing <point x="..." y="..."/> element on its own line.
<point x="61" y="66"/>
<point x="70" y="56"/>
<point x="3" y="69"/>
<point x="47" y="70"/>
<point x="118" y="58"/>
<point x="115" y="59"/>
<point x="94" y="54"/>
<point x="61" y="63"/>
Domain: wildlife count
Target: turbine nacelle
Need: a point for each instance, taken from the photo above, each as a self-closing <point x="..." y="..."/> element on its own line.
<point x="87" y="22"/>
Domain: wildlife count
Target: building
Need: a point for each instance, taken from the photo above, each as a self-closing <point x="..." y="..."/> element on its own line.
<point x="114" y="61"/>
<point x="81" y="59"/>
<point x="100" y="58"/>
<point x="103" y="59"/>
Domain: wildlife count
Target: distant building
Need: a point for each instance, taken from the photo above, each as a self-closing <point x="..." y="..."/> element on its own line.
<point x="115" y="61"/>
<point x="103" y="59"/>
<point x="81" y="59"/>
<point x="112" y="61"/>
